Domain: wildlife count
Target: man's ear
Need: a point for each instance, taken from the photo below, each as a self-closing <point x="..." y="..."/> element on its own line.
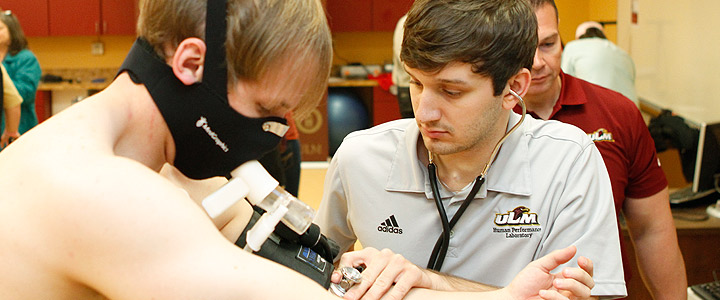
<point x="519" y="83"/>
<point x="188" y="60"/>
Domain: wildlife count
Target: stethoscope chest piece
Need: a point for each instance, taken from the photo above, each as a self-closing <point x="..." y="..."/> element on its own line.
<point x="350" y="277"/>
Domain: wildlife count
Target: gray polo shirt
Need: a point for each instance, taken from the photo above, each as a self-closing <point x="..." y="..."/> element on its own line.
<point x="548" y="189"/>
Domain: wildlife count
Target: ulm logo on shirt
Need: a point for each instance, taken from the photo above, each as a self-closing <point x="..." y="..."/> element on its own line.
<point x="390" y="226"/>
<point x="601" y="135"/>
<point x="518" y="223"/>
<point x="521" y="215"/>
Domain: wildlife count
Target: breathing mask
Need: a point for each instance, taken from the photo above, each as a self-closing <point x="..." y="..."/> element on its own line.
<point x="211" y="138"/>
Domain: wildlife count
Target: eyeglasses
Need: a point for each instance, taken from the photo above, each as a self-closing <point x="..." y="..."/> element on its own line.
<point x="7" y="12"/>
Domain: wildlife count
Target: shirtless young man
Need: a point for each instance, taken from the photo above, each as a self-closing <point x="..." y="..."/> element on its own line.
<point x="84" y="212"/>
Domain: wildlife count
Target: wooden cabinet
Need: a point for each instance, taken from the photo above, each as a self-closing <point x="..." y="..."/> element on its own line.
<point x="365" y="15"/>
<point x="119" y="17"/>
<point x="385" y="106"/>
<point x="698" y="241"/>
<point x="349" y="15"/>
<point x="33" y="17"/>
<point x="386" y="13"/>
<point x="92" y="17"/>
<point x="75" y="17"/>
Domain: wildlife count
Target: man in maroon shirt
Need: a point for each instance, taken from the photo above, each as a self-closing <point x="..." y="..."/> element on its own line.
<point x="616" y="125"/>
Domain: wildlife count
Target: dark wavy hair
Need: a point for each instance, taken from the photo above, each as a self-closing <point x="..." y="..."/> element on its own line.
<point x="18" y="42"/>
<point x="539" y="3"/>
<point x="498" y="37"/>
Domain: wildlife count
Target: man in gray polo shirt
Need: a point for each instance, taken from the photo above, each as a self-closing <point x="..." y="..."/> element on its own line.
<point x="546" y="187"/>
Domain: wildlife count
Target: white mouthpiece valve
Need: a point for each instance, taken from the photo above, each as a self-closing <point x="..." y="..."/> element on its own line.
<point x="225" y="197"/>
<point x="255" y="175"/>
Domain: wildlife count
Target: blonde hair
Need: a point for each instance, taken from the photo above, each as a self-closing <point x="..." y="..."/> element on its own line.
<point x="262" y="35"/>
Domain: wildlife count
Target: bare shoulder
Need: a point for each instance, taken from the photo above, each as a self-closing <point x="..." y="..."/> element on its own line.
<point x="79" y="222"/>
<point x="104" y="221"/>
<point x="127" y="232"/>
<point x="198" y="189"/>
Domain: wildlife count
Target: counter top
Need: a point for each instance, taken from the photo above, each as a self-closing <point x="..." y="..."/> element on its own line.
<point x="684" y="219"/>
<point x="64" y="86"/>
<point x="340" y="82"/>
<point x="80" y="79"/>
<point x="692" y="216"/>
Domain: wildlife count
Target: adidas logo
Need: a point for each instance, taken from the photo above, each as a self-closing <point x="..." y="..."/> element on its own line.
<point x="390" y="226"/>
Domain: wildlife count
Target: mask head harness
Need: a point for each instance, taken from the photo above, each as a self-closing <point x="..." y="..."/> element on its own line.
<point x="211" y="138"/>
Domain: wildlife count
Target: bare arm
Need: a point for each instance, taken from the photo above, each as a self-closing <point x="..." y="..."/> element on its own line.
<point x="390" y="276"/>
<point x="233" y="221"/>
<point x="130" y="234"/>
<point x="12" y="120"/>
<point x="12" y="101"/>
<point x="653" y="233"/>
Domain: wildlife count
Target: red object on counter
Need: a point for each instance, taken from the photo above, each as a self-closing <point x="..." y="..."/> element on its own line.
<point x="384" y="80"/>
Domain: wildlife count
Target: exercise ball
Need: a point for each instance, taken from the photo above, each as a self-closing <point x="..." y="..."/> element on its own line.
<point x="346" y="113"/>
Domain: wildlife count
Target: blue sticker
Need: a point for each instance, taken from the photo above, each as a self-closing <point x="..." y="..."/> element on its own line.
<point x="311" y="258"/>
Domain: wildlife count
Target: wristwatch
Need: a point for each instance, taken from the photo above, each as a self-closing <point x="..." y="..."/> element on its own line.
<point x="350" y="277"/>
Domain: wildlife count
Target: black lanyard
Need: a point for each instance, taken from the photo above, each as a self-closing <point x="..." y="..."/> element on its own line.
<point x="443" y="242"/>
<point x="441" y="246"/>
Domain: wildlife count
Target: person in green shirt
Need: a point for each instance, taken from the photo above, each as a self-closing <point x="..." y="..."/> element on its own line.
<point x="22" y="66"/>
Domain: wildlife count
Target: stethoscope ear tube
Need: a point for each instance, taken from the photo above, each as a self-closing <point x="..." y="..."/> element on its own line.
<point x="444" y="239"/>
<point x="437" y="257"/>
<point x="442" y="244"/>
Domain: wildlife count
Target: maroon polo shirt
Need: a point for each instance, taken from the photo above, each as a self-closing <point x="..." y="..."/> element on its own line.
<point x="616" y="126"/>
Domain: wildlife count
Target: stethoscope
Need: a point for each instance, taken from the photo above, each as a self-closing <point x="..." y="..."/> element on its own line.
<point x="441" y="245"/>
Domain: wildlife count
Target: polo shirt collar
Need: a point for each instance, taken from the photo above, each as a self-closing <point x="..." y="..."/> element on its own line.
<point x="568" y="95"/>
<point x="409" y="174"/>
<point x="510" y="173"/>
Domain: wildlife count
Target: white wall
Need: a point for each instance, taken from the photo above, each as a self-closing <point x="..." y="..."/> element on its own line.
<point x="676" y="49"/>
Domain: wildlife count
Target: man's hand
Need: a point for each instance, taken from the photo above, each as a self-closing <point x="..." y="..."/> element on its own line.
<point x="536" y="282"/>
<point x="387" y="275"/>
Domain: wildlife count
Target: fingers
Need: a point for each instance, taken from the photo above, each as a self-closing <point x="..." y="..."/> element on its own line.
<point x="353" y="259"/>
<point x="395" y="281"/>
<point x="577" y="281"/>
<point x="335" y="277"/>
<point x="357" y="258"/>
<point x="402" y="287"/>
<point x="586" y="264"/>
<point x="551" y="295"/>
<point x="556" y="258"/>
<point x="387" y="275"/>
<point x="374" y="267"/>
<point x="572" y="287"/>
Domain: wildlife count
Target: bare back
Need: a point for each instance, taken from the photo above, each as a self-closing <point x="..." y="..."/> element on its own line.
<point x="85" y="215"/>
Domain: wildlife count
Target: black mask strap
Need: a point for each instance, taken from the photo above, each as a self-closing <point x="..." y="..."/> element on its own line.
<point x="215" y="72"/>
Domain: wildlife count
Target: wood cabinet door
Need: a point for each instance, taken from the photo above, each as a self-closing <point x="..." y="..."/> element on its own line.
<point x="119" y="17"/>
<point x="74" y="17"/>
<point x="32" y="14"/>
<point x="349" y="15"/>
<point x="385" y="106"/>
<point x="386" y="13"/>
